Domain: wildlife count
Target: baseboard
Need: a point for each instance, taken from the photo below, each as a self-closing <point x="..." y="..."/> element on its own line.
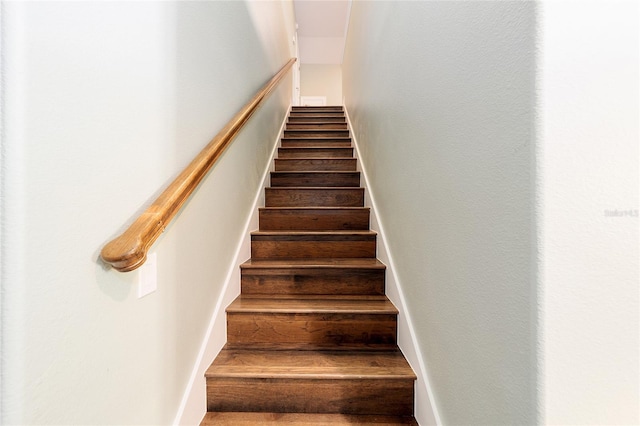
<point x="193" y="405"/>
<point x="426" y="412"/>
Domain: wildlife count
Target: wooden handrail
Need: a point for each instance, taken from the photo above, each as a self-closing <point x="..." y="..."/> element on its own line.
<point x="129" y="250"/>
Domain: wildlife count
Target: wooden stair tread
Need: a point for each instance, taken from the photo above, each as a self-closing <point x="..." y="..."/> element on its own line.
<point x="321" y="188"/>
<point x="318" y="138"/>
<point x="306" y="218"/>
<point x="325" y="164"/>
<point x="315" y="178"/>
<point x="302" y="208"/>
<point x="304" y="305"/>
<point x="314" y="196"/>
<point x="318" y="365"/>
<point x="317" y="118"/>
<point x="311" y="148"/>
<point x="316" y="121"/>
<point x="301" y="419"/>
<point x="315" y="172"/>
<point x="313" y="159"/>
<point x="355" y="263"/>
<point x="295" y="234"/>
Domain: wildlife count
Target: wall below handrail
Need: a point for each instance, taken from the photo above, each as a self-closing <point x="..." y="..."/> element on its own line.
<point x="129" y="250"/>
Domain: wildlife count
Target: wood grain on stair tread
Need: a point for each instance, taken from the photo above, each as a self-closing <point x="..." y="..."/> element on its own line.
<point x="321" y="133"/>
<point x="311" y="331"/>
<point x="372" y="305"/>
<point x="314" y="263"/>
<point x="317" y="143"/>
<point x="312" y="277"/>
<point x="316" y="108"/>
<point x="317" y="118"/>
<point x="315" y="179"/>
<point x="314" y="218"/>
<point x="309" y="244"/>
<point x="321" y="142"/>
<point x="314" y="197"/>
<point x="317" y="113"/>
<point x="314" y="235"/>
<point x="384" y="397"/>
<point x="301" y="419"/>
<point x="321" y="365"/>
<point x="319" y="164"/>
<point x="316" y="125"/>
<point x="315" y="152"/>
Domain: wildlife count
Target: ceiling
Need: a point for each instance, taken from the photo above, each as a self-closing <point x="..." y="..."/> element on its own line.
<point x="322" y="30"/>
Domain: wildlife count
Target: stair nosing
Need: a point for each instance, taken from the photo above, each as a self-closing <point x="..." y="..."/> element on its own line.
<point x="308" y="263"/>
<point x="316" y="232"/>
<point x="322" y="306"/>
<point x="317" y="138"/>
<point x="316" y="187"/>
<point x="333" y="365"/>
<point x="317" y="171"/>
<point x="315" y="208"/>
<point x="303" y="419"/>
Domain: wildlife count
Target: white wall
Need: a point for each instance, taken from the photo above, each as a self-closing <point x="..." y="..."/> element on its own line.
<point x="441" y="96"/>
<point x="322" y="80"/>
<point x="104" y="102"/>
<point x="588" y="163"/>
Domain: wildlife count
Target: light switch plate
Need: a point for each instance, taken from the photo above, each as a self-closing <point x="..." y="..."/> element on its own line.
<point x="148" y="276"/>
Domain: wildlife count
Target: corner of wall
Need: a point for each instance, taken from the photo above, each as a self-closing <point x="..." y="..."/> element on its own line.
<point x="426" y="411"/>
<point x="193" y="405"/>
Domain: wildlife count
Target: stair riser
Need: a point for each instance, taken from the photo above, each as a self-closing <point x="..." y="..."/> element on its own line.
<point x="303" y="114"/>
<point x="301" y="179"/>
<point x="333" y="108"/>
<point x="302" y="419"/>
<point x="275" y="249"/>
<point x="317" y="119"/>
<point x="307" y="165"/>
<point x="316" y="133"/>
<point x="285" y="153"/>
<point x="311" y="331"/>
<point x="306" y="197"/>
<point x="278" y="282"/>
<point x="382" y="397"/>
<point x="316" y="126"/>
<point x="329" y="143"/>
<point x="313" y="220"/>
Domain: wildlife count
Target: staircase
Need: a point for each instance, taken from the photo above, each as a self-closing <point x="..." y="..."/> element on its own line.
<point x="311" y="340"/>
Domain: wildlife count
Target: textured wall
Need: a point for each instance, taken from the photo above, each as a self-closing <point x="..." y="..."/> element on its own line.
<point x="104" y="103"/>
<point x="441" y="95"/>
<point x="588" y="193"/>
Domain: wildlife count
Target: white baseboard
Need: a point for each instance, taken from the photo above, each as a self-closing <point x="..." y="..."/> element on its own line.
<point x="193" y="406"/>
<point x="426" y="412"/>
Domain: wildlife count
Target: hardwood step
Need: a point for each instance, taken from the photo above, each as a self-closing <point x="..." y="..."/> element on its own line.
<point x="316" y="126"/>
<point x="315" y="164"/>
<point x="312" y="323"/>
<point x="315" y="152"/>
<point x="332" y="108"/>
<point x="316" y="118"/>
<point x="315" y="142"/>
<point x="279" y="278"/>
<point x="309" y="244"/>
<point x="302" y="419"/>
<point x="313" y="219"/>
<point x="323" y="114"/>
<point x="310" y="133"/>
<point x="363" y="382"/>
<point x="314" y="197"/>
<point x="315" y="179"/>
